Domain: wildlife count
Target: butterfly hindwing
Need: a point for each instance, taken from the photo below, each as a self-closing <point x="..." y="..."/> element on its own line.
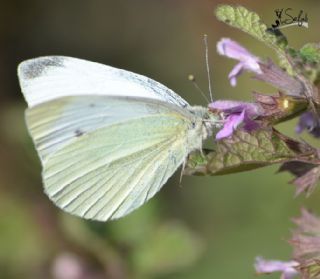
<point x="105" y="156"/>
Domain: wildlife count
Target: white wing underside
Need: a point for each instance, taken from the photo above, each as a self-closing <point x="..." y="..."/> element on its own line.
<point x="103" y="157"/>
<point x="46" y="78"/>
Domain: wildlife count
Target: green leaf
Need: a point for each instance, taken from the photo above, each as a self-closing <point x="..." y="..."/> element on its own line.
<point x="249" y="22"/>
<point x="245" y="151"/>
<point x="311" y="52"/>
<point x="308" y="61"/>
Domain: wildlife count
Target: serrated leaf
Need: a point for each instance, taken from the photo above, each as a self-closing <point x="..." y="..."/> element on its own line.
<point x="247" y="21"/>
<point x="250" y="22"/>
<point x="245" y="151"/>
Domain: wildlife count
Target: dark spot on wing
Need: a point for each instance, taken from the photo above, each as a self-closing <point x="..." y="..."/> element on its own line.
<point x="92" y="105"/>
<point x="78" y="133"/>
<point x="36" y="67"/>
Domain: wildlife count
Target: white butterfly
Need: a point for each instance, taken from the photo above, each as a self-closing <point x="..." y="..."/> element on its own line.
<point x="108" y="139"/>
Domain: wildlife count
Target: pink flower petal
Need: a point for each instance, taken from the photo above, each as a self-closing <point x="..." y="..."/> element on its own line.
<point x="232" y="122"/>
<point x="232" y="49"/>
<point x="247" y="60"/>
<point x="235" y="72"/>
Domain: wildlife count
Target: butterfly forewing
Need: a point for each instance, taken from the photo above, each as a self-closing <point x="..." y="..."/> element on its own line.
<point x="51" y="77"/>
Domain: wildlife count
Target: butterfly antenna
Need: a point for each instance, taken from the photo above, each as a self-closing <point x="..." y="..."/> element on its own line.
<point x="207" y="64"/>
<point x="193" y="80"/>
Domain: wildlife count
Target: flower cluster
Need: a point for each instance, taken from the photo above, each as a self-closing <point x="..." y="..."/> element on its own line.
<point x="297" y="83"/>
<point x="243" y="114"/>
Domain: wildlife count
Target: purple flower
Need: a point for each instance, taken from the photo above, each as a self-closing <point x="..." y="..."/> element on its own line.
<point x="234" y="114"/>
<point x="247" y="60"/>
<point x="288" y="269"/>
<point x="308" y="121"/>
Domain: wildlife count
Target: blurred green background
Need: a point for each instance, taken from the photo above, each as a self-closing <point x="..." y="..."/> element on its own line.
<point x="210" y="227"/>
